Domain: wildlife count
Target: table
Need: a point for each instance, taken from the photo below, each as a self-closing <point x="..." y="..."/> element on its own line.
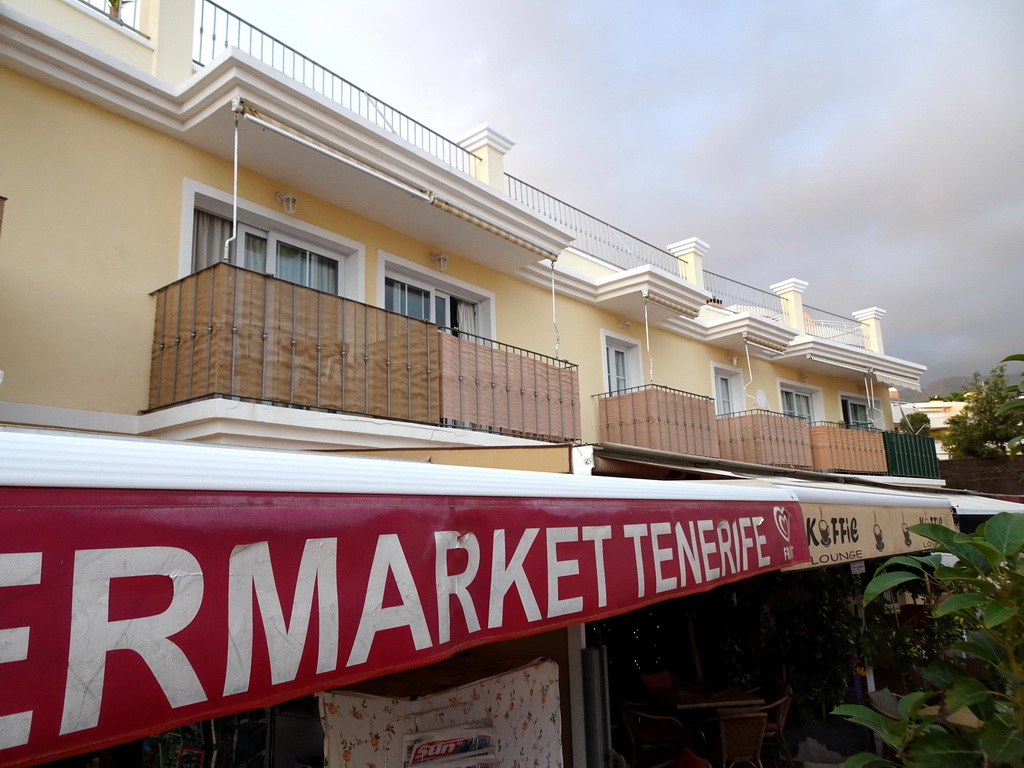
<point x="684" y="699"/>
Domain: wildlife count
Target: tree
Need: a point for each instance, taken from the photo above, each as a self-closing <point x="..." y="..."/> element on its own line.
<point x="915" y="423"/>
<point x="1016" y="402"/>
<point x="965" y="720"/>
<point x="981" y="430"/>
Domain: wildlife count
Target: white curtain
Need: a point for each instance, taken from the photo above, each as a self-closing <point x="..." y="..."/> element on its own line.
<point x="209" y="233"/>
<point x="303" y="267"/>
<point x="467" y="318"/>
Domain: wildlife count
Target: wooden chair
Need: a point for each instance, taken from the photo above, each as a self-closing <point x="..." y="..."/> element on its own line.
<point x="737" y="739"/>
<point x="774" y="735"/>
<point x="654" y="740"/>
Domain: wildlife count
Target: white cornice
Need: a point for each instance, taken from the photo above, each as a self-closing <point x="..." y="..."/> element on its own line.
<point x="667" y="291"/>
<point x="789" y="286"/>
<point x="485" y="136"/>
<point x="812" y="352"/>
<point x="232" y="422"/>
<point x="871" y="313"/>
<point x="732" y="330"/>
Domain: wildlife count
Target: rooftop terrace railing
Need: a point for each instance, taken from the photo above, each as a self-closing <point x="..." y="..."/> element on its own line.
<point x="593" y="236"/>
<point x="735" y="296"/>
<point x="825" y="325"/>
<point x="219" y="29"/>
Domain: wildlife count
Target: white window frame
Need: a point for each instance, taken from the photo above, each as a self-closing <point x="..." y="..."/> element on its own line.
<point x="736" y="392"/>
<point x="814" y="393"/>
<point x="873" y="408"/>
<point x="350" y="254"/>
<point x="631" y="348"/>
<point x="440" y="285"/>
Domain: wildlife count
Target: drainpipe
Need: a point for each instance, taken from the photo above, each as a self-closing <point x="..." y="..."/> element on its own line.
<point x="237" y="108"/>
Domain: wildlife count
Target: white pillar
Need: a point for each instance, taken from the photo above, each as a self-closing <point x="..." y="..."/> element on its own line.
<point x="169" y="24"/>
<point x="791" y="292"/>
<point x="872" y="319"/>
<point x="490" y="147"/>
<point x="690" y="253"/>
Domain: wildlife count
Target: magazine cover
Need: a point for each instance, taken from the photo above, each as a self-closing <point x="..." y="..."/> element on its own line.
<point x="473" y="740"/>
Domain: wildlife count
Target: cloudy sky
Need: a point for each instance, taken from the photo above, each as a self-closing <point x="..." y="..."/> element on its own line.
<point x="872" y="148"/>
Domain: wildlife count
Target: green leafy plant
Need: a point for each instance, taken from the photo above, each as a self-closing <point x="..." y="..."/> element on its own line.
<point x="1016" y="393"/>
<point x="116" y="6"/>
<point x="982" y="429"/>
<point x="914" y="423"/>
<point x="906" y="645"/>
<point x="967" y="718"/>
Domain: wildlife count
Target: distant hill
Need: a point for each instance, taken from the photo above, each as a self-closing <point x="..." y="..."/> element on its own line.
<point x="942" y="387"/>
<point x="938" y="388"/>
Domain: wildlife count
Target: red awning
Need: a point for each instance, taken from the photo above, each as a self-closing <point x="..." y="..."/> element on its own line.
<point x="145" y="584"/>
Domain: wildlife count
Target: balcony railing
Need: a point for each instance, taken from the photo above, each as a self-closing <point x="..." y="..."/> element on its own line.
<point x="825" y="325"/>
<point x="229" y="332"/>
<point x="219" y="29"/>
<point x="593" y="236"/>
<point x="910" y="455"/>
<point x="657" y="417"/>
<point x="735" y="296"/>
<point x="765" y="437"/>
<point x="836" y="447"/>
<point x="497" y="387"/>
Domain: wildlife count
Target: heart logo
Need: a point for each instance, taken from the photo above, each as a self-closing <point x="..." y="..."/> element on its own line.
<point x="782" y="517"/>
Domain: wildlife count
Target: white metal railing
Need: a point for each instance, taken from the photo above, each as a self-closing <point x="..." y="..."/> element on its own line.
<point x="218" y="29"/>
<point x="593" y="236"/>
<point x="734" y="296"/>
<point x="825" y="325"/>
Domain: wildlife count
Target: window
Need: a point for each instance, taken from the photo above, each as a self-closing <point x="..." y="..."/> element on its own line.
<point x="856" y="412"/>
<point x="622" y="363"/>
<point x="266" y="251"/>
<point x="431" y="304"/>
<point x="618" y="379"/>
<point x="797" y="404"/>
<point x="728" y="391"/>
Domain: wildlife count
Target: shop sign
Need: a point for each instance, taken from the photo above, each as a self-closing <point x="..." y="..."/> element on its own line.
<point x="838" y="533"/>
<point x="125" y="613"/>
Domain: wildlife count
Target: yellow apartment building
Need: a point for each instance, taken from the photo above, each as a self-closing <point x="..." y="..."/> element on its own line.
<point x="208" y="237"/>
<point x="205" y="236"/>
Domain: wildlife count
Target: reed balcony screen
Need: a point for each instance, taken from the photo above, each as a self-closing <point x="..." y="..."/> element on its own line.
<point x="230" y="332"/>
<point x="765" y="437"/>
<point x="488" y="385"/>
<point x="657" y="417"/>
<point x="838" y="448"/>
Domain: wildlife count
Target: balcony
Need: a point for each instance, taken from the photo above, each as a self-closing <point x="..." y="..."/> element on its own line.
<point x="765" y="437"/>
<point x="498" y="387"/>
<point x="733" y="296"/>
<point x="826" y="325"/>
<point x="660" y="418"/>
<point x="836" y="447"/>
<point x="229" y="332"/>
<point x="911" y="455"/>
